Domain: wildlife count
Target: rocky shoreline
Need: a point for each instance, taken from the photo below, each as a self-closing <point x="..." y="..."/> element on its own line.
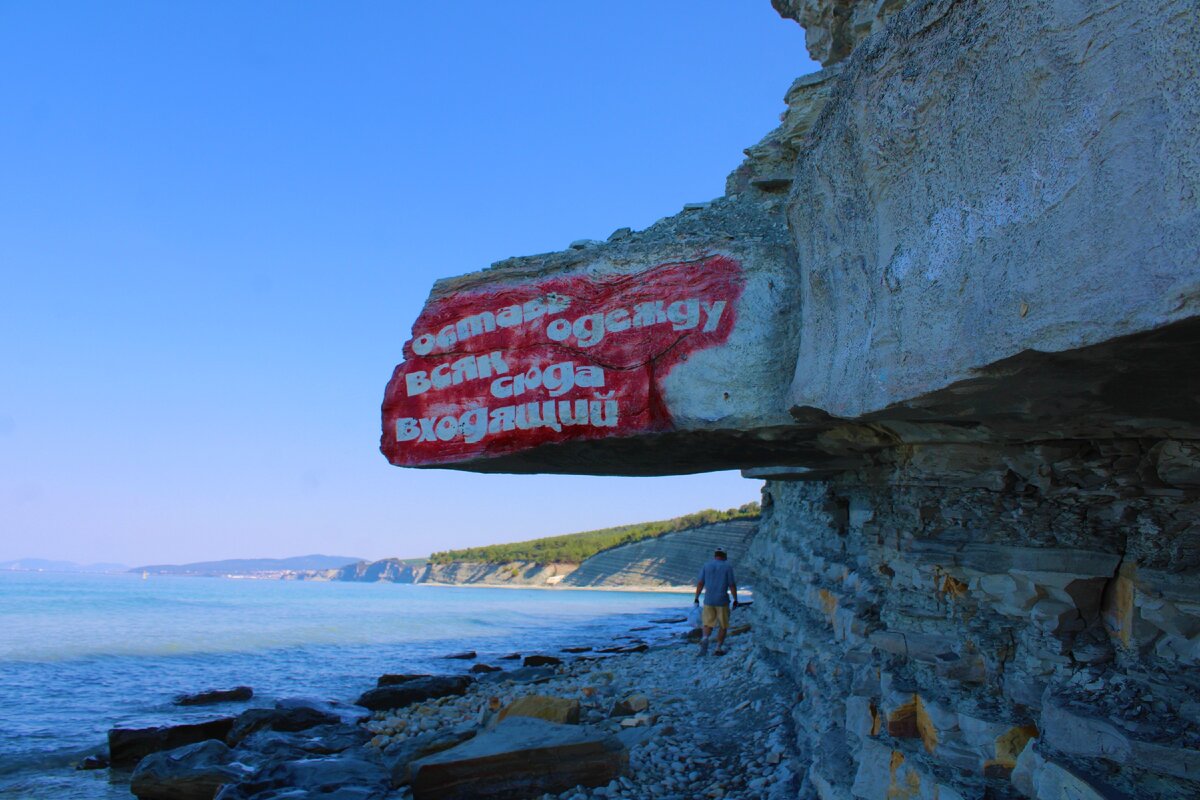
<point x="645" y="721"/>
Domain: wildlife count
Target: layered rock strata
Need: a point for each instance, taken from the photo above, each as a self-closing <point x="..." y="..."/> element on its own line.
<point x="672" y="560"/>
<point x="974" y="240"/>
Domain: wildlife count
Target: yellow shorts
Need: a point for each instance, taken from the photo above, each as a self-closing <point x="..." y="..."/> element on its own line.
<point x="715" y="617"/>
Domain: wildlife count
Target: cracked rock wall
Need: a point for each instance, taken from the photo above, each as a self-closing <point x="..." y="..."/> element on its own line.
<point x="991" y="622"/>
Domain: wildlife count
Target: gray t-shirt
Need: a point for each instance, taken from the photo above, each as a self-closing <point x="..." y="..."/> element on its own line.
<point x="718" y="580"/>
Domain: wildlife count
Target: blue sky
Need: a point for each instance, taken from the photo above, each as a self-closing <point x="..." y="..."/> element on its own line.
<point x="219" y="220"/>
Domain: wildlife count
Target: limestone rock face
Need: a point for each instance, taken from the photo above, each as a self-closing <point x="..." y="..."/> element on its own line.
<point x="994" y="179"/>
<point x="959" y="342"/>
<point x="833" y="27"/>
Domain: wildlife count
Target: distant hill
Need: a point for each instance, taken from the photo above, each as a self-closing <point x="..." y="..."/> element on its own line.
<point x="251" y="566"/>
<point x="44" y="565"/>
<point x="574" y="548"/>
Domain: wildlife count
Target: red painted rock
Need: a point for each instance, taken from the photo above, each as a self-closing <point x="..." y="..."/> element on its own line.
<point x="511" y="361"/>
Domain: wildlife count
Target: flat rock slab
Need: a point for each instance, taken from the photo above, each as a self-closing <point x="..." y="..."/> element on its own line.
<point x="466" y="655"/>
<point x="520" y="758"/>
<point x="127" y="746"/>
<point x="193" y="772"/>
<point x="236" y="694"/>
<point x="287" y="720"/>
<point x="414" y="691"/>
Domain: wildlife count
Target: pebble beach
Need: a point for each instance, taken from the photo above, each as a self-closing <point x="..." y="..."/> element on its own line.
<point x="705" y="726"/>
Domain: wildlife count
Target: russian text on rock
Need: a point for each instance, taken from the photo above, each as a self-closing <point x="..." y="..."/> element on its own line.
<point x="569" y="357"/>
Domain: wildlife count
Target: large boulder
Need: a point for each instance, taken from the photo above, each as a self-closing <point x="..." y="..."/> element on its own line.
<point x="414" y="691"/>
<point x="193" y="772"/>
<point x="127" y="746"/>
<point x="522" y="757"/>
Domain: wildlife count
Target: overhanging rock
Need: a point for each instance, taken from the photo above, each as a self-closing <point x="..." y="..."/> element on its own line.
<point x="663" y="352"/>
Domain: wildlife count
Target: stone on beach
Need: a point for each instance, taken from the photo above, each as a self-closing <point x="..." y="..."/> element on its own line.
<point x="127" y="746"/>
<point x="521" y="758"/>
<point x="551" y="709"/>
<point x="466" y="655"/>
<point x="238" y="693"/>
<point x="399" y="756"/>
<point x="414" y="691"/>
<point x="192" y="772"/>
<point x="632" y="704"/>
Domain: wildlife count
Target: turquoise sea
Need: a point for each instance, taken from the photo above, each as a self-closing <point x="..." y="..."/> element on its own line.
<point x="80" y="654"/>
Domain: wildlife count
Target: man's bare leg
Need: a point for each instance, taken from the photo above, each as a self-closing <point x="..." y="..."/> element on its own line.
<point x="706" y="630"/>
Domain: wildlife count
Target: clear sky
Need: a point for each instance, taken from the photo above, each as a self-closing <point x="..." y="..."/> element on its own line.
<point x="219" y="220"/>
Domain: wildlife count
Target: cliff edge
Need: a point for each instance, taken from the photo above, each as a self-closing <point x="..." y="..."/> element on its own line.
<point x="949" y="311"/>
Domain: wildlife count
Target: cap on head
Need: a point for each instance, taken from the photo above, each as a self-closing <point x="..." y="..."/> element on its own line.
<point x="719" y="552"/>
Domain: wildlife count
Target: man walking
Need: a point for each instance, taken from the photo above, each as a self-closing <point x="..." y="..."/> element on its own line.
<point x="716" y="581"/>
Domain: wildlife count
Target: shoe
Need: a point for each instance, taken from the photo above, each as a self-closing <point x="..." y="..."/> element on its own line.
<point x="704" y="647"/>
<point x="719" y="652"/>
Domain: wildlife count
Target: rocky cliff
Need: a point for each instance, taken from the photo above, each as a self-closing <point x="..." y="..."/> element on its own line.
<point x="667" y="561"/>
<point x="948" y="310"/>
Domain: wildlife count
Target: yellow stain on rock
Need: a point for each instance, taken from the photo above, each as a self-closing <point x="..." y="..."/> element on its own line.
<point x="829" y="604"/>
<point x="1009" y="746"/>
<point x="1117" y="607"/>
<point x="902" y="786"/>
<point x="912" y="721"/>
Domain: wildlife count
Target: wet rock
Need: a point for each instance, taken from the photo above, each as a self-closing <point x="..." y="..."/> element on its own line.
<point x="394" y="679"/>
<point x="511" y="657"/>
<point x="480" y="668"/>
<point x="352" y="777"/>
<point x="95" y="761"/>
<point x="576" y="649"/>
<point x="466" y="655"/>
<point x="521" y="758"/>
<point x="127" y="746"/>
<point x="541" y="661"/>
<point x="318" y="740"/>
<point x="413" y="691"/>
<point x="278" y="719"/>
<point x="192" y="772"/>
<point x="236" y="694"/>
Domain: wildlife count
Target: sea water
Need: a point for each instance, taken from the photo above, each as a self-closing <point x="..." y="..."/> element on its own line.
<point x="80" y="654"/>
